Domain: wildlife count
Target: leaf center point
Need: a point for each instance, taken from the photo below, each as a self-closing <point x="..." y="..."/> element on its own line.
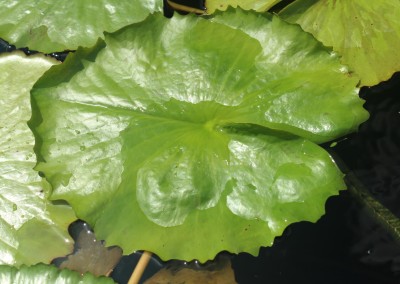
<point x="210" y="125"/>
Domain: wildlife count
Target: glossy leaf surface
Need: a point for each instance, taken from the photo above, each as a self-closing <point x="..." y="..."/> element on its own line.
<point x="42" y="273"/>
<point x="50" y="26"/>
<point x="187" y="143"/>
<point x="366" y="33"/>
<point x="31" y="228"/>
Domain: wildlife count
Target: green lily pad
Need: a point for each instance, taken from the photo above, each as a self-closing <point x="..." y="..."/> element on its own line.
<point x="42" y="273"/>
<point x="257" y="5"/>
<point x="185" y="142"/>
<point x="31" y="228"/>
<point x="365" y="33"/>
<point x="51" y="26"/>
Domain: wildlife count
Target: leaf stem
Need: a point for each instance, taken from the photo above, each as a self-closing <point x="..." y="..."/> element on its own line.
<point x="140" y="267"/>
<point x="381" y="214"/>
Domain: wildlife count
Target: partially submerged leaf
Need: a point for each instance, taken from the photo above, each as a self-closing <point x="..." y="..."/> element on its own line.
<point x="365" y="33"/>
<point x="177" y="273"/>
<point x="90" y="255"/>
<point x="48" y="26"/>
<point x="186" y="143"/>
<point x="42" y="273"/>
<point x="222" y="5"/>
<point x="31" y="228"/>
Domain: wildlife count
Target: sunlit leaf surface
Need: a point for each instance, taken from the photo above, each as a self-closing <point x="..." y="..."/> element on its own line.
<point x="366" y="33"/>
<point x="49" y="26"/>
<point x="31" y="228"/>
<point x="186" y="143"/>
<point x="42" y="273"/>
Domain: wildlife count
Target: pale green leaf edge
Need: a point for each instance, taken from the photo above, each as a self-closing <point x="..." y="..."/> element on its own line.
<point x="32" y="229"/>
<point x="365" y="33"/>
<point x="49" y="26"/>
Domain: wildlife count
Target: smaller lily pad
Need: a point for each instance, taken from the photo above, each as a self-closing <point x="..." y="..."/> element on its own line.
<point x="48" y="26"/>
<point x="365" y="33"/>
<point x="32" y="229"/>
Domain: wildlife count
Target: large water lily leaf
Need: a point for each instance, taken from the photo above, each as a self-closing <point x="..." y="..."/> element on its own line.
<point x="31" y="228"/>
<point x="192" y="139"/>
<point x="42" y="273"/>
<point x="257" y="5"/>
<point x="366" y="33"/>
<point x="51" y="26"/>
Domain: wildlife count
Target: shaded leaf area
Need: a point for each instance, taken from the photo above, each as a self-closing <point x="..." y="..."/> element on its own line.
<point x="50" y="26"/>
<point x="42" y="273"/>
<point x="365" y="33"/>
<point x="188" y="140"/>
<point x="219" y="272"/>
<point x="32" y="229"/>
<point x="222" y="5"/>
<point x="90" y="255"/>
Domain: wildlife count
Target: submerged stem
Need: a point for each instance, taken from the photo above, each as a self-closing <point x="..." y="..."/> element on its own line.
<point x="382" y="214"/>
<point x="140" y="267"/>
